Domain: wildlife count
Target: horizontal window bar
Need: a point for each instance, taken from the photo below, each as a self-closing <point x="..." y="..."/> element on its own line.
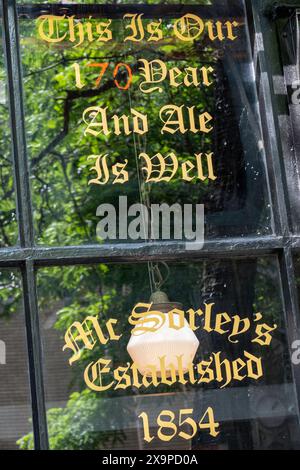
<point x="141" y="252"/>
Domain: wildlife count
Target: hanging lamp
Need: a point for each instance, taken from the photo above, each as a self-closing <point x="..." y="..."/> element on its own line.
<point x="167" y="342"/>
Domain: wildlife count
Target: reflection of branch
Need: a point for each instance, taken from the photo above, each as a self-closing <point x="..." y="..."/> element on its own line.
<point x="75" y="94"/>
<point x="72" y="95"/>
<point x="65" y="60"/>
<point x="60" y="135"/>
<point x="45" y="198"/>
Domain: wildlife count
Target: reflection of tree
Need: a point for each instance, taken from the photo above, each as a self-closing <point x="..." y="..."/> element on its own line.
<point x="75" y="426"/>
<point x="65" y="206"/>
<point x="8" y="226"/>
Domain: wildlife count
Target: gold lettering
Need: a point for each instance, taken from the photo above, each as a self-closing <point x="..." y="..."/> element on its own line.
<point x="263" y="332"/>
<point x="171" y="111"/>
<point x="172" y="117"/>
<point x="254" y="361"/>
<point x="95" y="118"/>
<point x="136" y="26"/>
<point x="205" y="371"/>
<point x="144" y="319"/>
<point x="79" y="335"/>
<point x="175" y="73"/>
<point x="90" y="116"/>
<point x="94" y="372"/>
<point x="120" y="173"/>
<point x="189" y="27"/>
<point x="82" y="335"/>
<point x="237" y="366"/>
<point x="102" y="28"/>
<point x="205" y="71"/>
<point x="222" y="319"/>
<point x="76" y="29"/>
<point x="160" y="171"/>
<point x="219" y="34"/>
<point x="230" y="25"/>
<point x="227" y="372"/>
<point x="176" y="319"/>
<point x="122" y="378"/>
<point x="191" y="318"/>
<point x="236" y="324"/>
<point x="153" y="72"/>
<point x="49" y="26"/>
<point x="101" y="169"/>
<point x="154" y="29"/>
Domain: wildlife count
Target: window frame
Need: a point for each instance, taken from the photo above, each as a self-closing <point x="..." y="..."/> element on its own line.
<point x="28" y="257"/>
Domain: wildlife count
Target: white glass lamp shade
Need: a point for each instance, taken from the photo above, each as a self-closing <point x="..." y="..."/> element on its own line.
<point x="147" y="349"/>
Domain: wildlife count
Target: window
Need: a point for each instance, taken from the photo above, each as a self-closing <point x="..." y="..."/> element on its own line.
<point x="63" y="269"/>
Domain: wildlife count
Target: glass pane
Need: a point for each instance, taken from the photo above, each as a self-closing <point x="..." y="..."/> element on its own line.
<point x="287" y="89"/>
<point x="15" y="408"/>
<point x="8" y="222"/>
<point x="297" y="270"/>
<point x="102" y="129"/>
<point x="230" y="367"/>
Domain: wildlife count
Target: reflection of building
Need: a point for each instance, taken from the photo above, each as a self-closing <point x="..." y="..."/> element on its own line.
<point x="15" y="408"/>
